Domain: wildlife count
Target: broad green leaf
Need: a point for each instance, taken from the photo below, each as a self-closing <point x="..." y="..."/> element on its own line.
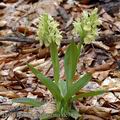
<point x="28" y="101"/>
<point x="70" y="62"/>
<point x="63" y="87"/>
<point x="55" y="61"/>
<point x="78" y="85"/>
<point x="48" y="83"/>
<point x="89" y="94"/>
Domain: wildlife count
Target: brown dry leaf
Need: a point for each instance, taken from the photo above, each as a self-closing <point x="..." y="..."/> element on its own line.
<point x="92" y="110"/>
<point x="2" y="12"/>
<point x="25" y="30"/>
<point x="110" y="97"/>
<point x="111" y="83"/>
<point x="3" y="33"/>
<point x="91" y="86"/>
<point x="103" y="67"/>
<point x="25" y="67"/>
<point x="88" y="58"/>
<point x="116" y="26"/>
<point x="10" y="1"/>
<point x="30" y="95"/>
<point x="2" y="88"/>
<point x="2" y="65"/>
<point x="101" y="75"/>
<point x="101" y="45"/>
<point x="21" y="75"/>
<point x="2" y="5"/>
<point x="116" y="73"/>
<point x="91" y="117"/>
<point x="117" y="45"/>
<point x="106" y="32"/>
<point x="8" y="55"/>
<point x="3" y="23"/>
<point x="36" y="91"/>
<point x="9" y="94"/>
<point x="47" y="108"/>
<point x="107" y="17"/>
<point x="43" y="53"/>
<point x="12" y="116"/>
<point x="46" y="6"/>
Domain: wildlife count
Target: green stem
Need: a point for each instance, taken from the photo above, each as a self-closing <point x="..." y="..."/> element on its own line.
<point x="55" y="61"/>
<point x="58" y="106"/>
<point x="81" y="43"/>
<point x="64" y="108"/>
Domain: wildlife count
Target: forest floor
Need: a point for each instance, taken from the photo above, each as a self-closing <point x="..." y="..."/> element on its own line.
<point x="18" y="46"/>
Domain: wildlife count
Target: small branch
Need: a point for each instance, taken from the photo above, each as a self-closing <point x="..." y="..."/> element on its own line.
<point x="18" y="39"/>
<point x="106" y="39"/>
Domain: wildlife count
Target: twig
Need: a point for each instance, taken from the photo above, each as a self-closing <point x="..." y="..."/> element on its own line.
<point x="106" y="39"/>
<point x="18" y="39"/>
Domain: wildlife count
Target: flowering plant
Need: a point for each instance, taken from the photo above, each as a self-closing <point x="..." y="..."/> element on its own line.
<point x="64" y="92"/>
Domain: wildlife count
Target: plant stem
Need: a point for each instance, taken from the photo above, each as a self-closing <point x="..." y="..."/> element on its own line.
<point x="80" y="45"/>
<point x="55" y="61"/>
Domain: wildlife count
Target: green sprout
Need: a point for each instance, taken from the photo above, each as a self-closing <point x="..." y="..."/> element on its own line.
<point x="65" y="91"/>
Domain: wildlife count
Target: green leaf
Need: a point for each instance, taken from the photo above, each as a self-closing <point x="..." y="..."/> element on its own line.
<point x="70" y="62"/>
<point x="78" y="85"/>
<point x="63" y="87"/>
<point x="46" y="116"/>
<point x="28" y="101"/>
<point x="48" y="83"/>
<point x="74" y="114"/>
<point x="89" y="94"/>
<point x="55" y="61"/>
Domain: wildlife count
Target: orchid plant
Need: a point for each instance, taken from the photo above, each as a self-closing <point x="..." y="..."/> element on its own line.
<point x="64" y="91"/>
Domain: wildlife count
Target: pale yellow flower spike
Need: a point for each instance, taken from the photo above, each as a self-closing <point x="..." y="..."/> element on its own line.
<point x="86" y="26"/>
<point x="48" y="32"/>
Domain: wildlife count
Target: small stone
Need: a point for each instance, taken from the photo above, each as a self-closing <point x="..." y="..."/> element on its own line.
<point x="3" y="23"/>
